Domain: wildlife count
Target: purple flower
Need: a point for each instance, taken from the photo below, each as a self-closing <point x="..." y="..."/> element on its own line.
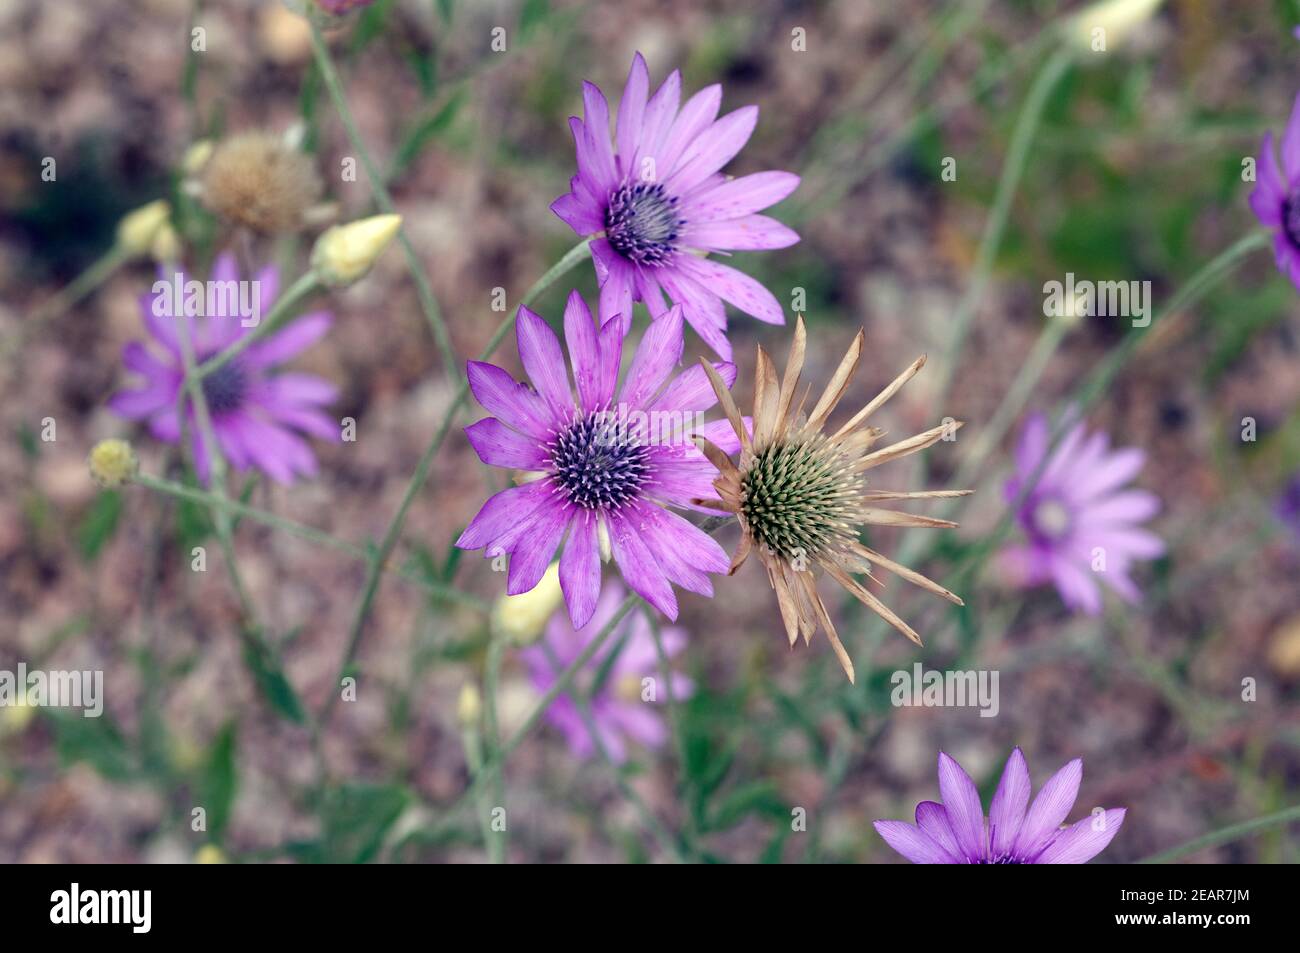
<point x="606" y="465"/>
<point x="1080" y="526"/>
<point x="1276" y="198"/>
<point x="1015" y="832"/>
<point x="657" y="196"/>
<point x="1287" y="505"/>
<point x="257" y="416"/>
<point x="618" y="707"/>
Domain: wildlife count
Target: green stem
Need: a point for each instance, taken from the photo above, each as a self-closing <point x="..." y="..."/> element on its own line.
<point x="491" y="683"/>
<point x="371" y="585"/>
<point x="561" y="685"/>
<point x="275" y="318"/>
<point x="1225" y="835"/>
<point x="64" y="299"/>
<point x="303" y="531"/>
<point x="423" y="287"/>
<point x="1022" y="137"/>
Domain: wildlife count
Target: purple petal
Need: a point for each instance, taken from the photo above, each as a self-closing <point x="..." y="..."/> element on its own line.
<point x="503" y="397"/>
<point x="596" y="123"/>
<point x="734" y="287"/>
<point x="503" y="512"/>
<point x="738" y="197"/>
<point x="617" y="277"/>
<point x="1269" y="194"/>
<point x="1076" y="585"/>
<point x="1084" y="839"/>
<point x="695" y="117"/>
<point x="690" y="390"/>
<point x="683" y="551"/>
<point x="499" y="446"/>
<point x="1291" y="145"/>
<point x="714" y="148"/>
<point x="1009" y="802"/>
<point x="701" y="308"/>
<point x="751" y="232"/>
<point x="297" y="389"/>
<point x="1118" y="468"/>
<point x="932" y="819"/>
<point x="535" y="544"/>
<point x="658" y="353"/>
<point x="1049" y="810"/>
<point x="912" y="843"/>
<point x="539" y="351"/>
<point x="640" y="570"/>
<point x="580" y="569"/>
<point x="1130" y="506"/>
<point x="961" y="801"/>
<point x="659" y="114"/>
<point x="577" y="214"/>
<point x="288" y="342"/>
<point x="631" y="110"/>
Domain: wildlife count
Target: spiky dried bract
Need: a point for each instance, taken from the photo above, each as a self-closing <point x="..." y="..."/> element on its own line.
<point x="801" y="497"/>
<point x="257" y="180"/>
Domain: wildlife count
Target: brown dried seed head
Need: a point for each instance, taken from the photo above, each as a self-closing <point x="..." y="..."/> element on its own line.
<point x="254" y="179"/>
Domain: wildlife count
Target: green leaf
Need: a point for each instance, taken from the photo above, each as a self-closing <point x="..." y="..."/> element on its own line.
<point x="219" y="780"/>
<point x="96" y="741"/>
<point x="757" y="797"/>
<point x="420" y="135"/>
<point x="274" y="684"/>
<point x="99" y="524"/>
<point x="356" y="817"/>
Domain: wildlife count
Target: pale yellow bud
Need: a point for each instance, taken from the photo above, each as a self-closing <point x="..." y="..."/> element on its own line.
<point x="469" y="707"/>
<point x="137" y="230"/>
<point x="522" y="618"/>
<point x="15" y="717"/>
<point x="1105" y="26"/>
<point x="197" y="156"/>
<point x="209" y="854"/>
<point x="112" y="463"/>
<point x="166" y="247"/>
<point x="344" y="253"/>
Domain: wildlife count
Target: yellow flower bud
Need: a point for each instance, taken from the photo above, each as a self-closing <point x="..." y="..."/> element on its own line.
<point x="209" y="854"/>
<point x="522" y="618"/>
<point x="469" y="707"/>
<point x="137" y="230"/>
<point x="1106" y="25"/>
<point x="112" y="463"/>
<point x="344" y="253"/>
<point x="197" y="156"/>
<point x="166" y="247"/>
<point x="14" y="718"/>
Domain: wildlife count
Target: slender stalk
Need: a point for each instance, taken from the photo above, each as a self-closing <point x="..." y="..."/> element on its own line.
<point x="64" y="299"/>
<point x="423" y="287"/>
<point x="369" y="588"/>
<point x="1022" y="138"/>
<point x="562" y="684"/>
<point x="1226" y="835"/>
<point x="491" y="683"/>
<point x="303" y="531"/>
<point x="275" y="318"/>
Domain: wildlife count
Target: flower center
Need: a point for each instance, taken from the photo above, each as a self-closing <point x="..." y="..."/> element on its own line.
<point x="799" y="498"/>
<point x="1291" y="218"/>
<point x="597" y="464"/>
<point x="225" y="388"/>
<point x="1052" y="518"/>
<point x="641" y="223"/>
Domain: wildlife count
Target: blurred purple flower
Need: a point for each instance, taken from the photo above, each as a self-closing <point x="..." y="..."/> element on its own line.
<point x="340" y="7"/>
<point x="657" y="196"/>
<point x="606" y="466"/>
<point x="1015" y="831"/>
<point x="618" y="708"/>
<point x="1276" y="198"/>
<point x="257" y="416"/>
<point x="1287" y="506"/>
<point x="1079" y="524"/>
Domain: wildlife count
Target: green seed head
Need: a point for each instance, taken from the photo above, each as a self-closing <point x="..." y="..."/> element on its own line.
<point x="799" y="496"/>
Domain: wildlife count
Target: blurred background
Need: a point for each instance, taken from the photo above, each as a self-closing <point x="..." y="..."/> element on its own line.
<point x="1134" y="172"/>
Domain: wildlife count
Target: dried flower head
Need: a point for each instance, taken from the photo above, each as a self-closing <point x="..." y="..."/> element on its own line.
<point x="258" y="180"/>
<point x="800" y="495"/>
